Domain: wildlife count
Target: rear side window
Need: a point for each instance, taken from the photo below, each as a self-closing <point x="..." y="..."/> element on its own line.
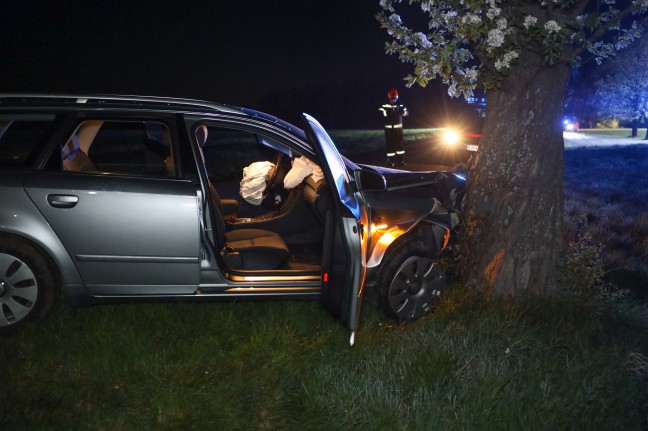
<point x="22" y="137"/>
<point x="120" y="147"/>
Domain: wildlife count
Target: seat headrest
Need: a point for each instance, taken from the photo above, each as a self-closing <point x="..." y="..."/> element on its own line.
<point x="201" y="135"/>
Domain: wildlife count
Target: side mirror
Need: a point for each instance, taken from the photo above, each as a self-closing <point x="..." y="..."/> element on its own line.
<point x="370" y="180"/>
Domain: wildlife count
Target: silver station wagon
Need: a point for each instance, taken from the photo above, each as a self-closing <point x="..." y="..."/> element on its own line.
<point x="121" y="198"/>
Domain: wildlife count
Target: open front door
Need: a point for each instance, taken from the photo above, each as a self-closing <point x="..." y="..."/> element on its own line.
<point x="345" y="249"/>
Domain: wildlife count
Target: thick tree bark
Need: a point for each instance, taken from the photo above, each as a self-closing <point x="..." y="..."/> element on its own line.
<point x="512" y="237"/>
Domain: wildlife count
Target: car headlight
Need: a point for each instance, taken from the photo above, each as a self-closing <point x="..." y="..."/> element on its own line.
<point x="450" y="137"/>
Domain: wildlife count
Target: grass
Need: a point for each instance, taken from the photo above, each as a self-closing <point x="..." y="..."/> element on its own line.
<point x="613" y="133"/>
<point x="608" y="187"/>
<point x="353" y="142"/>
<point x="286" y="365"/>
<point x="541" y="364"/>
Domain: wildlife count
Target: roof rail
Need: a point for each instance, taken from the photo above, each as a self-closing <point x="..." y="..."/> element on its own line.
<point x="79" y="98"/>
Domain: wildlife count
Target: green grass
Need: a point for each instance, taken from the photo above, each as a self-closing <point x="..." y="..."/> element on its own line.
<point x="541" y="364"/>
<point x="549" y="365"/>
<point x="612" y="133"/>
<point x="353" y="142"/>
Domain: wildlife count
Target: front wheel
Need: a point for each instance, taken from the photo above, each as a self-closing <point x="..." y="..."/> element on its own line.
<point x="411" y="281"/>
<point x="26" y="284"/>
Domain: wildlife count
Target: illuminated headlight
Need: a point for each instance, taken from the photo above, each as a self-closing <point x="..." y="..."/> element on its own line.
<point x="569" y="127"/>
<point x="450" y="137"/>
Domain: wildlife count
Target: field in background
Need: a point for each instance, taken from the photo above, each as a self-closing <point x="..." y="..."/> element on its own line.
<point x="603" y="137"/>
<point x="355" y="142"/>
<point x="620" y="133"/>
<point x="550" y="364"/>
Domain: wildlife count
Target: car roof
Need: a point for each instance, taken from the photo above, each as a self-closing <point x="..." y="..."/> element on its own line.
<point x="27" y="100"/>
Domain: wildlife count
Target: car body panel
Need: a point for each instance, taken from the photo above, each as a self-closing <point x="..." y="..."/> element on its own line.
<point x="130" y="235"/>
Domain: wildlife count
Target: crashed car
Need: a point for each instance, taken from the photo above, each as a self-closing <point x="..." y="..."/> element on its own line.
<point x="120" y="198"/>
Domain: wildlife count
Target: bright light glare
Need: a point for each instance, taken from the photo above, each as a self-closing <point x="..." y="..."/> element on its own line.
<point x="451" y="137"/>
<point x="386" y="239"/>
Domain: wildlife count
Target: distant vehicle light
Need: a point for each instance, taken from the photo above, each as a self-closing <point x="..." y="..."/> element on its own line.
<point x="450" y="137"/>
<point x="570" y="124"/>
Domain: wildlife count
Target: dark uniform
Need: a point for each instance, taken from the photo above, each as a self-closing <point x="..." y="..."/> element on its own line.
<point x="393" y="114"/>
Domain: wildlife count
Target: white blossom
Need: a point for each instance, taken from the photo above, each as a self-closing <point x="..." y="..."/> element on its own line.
<point x="501" y="23"/>
<point x="422" y="40"/>
<point x="493" y="12"/>
<point x="529" y="21"/>
<point x="552" y="26"/>
<point x="452" y="90"/>
<point x="505" y="62"/>
<point x="472" y="74"/>
<point x="449" y="16"/>
<point x="471" y="18"/>
<point x="495" y="38"/>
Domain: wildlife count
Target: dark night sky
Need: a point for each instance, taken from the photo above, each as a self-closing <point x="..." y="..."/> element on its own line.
<point x="285" y="57"/>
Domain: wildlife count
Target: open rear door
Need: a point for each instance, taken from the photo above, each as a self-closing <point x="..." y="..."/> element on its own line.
<point x="345" y="249"/>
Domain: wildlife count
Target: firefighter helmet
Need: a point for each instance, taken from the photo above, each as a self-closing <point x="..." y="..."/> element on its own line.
<point x="392" y="94"/>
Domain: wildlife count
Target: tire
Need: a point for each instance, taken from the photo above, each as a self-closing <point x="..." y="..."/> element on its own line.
<point x="410" y="281"/>
<point x="27" y="284"/>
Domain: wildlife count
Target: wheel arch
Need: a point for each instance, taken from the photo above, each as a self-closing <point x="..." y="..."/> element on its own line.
<point x="54" y="253"/>
<point x="44" y="252"/>
<point x="435" y="232"/>
<point x="413" y="246"/>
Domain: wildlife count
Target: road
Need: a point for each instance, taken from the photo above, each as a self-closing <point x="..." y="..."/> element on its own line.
<point x="424" y="156"/>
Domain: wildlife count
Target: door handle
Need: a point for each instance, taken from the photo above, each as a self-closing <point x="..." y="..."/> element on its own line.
<point x="62" y="201"/>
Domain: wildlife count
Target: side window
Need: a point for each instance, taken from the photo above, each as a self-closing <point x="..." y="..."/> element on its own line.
<point x="120" y="147"/>
<point x="21" y="137"/>
<point x="228" y="151"/>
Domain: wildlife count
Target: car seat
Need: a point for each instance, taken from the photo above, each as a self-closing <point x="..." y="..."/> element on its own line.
<point x="244" y="249"/>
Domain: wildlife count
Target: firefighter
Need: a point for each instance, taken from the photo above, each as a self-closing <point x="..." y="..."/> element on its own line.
<point x="393" y="114"/>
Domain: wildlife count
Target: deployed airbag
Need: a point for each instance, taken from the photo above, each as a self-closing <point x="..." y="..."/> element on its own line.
<point x="301" y="168"/>
<point x="254" y="181"/>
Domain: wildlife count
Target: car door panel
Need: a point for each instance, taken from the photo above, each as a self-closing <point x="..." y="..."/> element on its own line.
<point x="126" y="235"/>
<point x="344" y="261"/>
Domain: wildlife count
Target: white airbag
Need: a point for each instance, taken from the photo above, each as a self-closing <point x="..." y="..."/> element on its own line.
<point x="301" y="168"/>
<point x="254" y="181"/>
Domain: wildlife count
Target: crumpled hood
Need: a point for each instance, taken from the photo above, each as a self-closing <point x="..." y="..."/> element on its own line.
<point x="413" y="190"/>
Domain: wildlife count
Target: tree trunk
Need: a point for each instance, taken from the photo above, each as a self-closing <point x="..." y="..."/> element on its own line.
<point x="635" y="127"/>
<point x="513" y="237"/>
